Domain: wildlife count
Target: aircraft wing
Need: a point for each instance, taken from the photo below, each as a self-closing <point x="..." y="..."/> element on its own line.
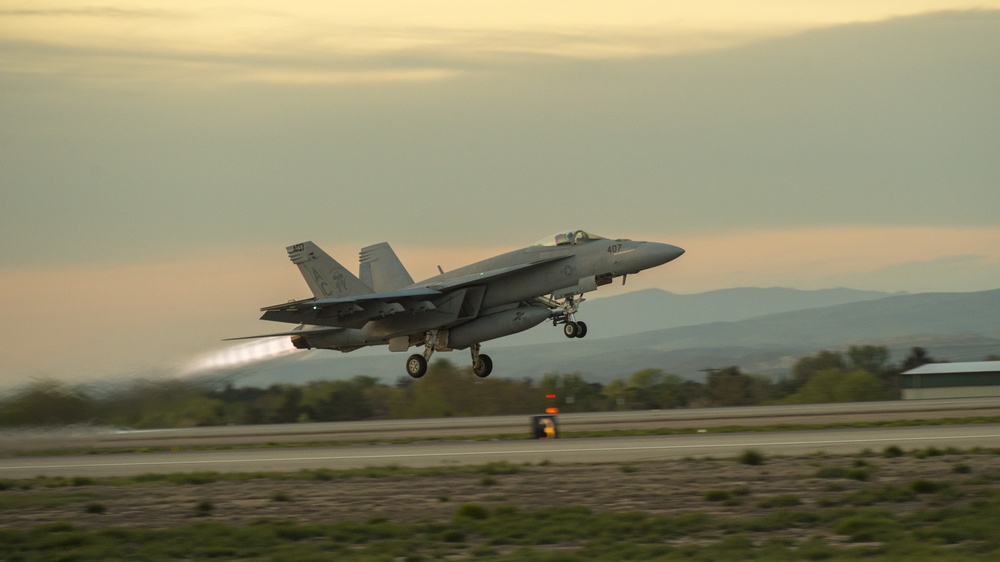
<point x="388" y="296"/>
<point x="356" y="311"/>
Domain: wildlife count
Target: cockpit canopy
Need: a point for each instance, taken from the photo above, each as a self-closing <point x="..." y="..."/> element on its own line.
<point x="568" y="238"/>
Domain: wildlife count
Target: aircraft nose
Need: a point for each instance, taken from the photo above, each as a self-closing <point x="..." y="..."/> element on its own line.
<point x="656" y="253"/>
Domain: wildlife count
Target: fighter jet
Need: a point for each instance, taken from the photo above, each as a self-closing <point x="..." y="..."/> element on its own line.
<point x="458" y="309"/>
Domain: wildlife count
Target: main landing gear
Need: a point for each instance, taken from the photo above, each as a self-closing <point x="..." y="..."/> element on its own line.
<point x="482" y="365"/>
<point x="571" y="328"/>
<point x="416" y="364"/>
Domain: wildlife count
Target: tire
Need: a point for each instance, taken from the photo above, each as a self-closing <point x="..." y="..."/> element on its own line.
<point x="570" y="329"/>
<point x="581" y="330"/>
<point x="483" y="367"/>
<point x="416" y="366"/>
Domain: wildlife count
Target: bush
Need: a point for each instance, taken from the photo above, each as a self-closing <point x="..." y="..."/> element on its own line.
<point x="752" y="457"/>
<point x="472" y="511"/>
<point x="831" y="472"/>
<point x="495" y="468"/>
<point x="783" y="500"/>
<point x="96" y="508"/>
<point x="872" y="496"/>
<point x="717" y="495"/>
<point x="929" y="452"/>
<point x="923" y="486"/>
<point x="867" y="527"/>
<point x="861" y="474"/>
<point x="892" y="451"/>
<point x="204" y="508"/>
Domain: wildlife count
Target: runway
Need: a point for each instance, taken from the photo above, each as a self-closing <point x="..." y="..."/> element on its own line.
<point x="109" y="439"/>
<point x="453" y="453"/>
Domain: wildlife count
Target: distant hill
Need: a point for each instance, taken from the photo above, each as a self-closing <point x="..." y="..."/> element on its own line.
<point x="761" y="330"/>
<point x="656" y="309"/>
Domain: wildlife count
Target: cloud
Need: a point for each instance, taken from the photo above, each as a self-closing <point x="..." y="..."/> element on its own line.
<point x="99" y="12"/>
<point x="888" y="123"/>
<point x="188" y="45"/>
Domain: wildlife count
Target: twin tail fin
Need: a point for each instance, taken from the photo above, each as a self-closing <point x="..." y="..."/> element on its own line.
<point x="325" y="277"/>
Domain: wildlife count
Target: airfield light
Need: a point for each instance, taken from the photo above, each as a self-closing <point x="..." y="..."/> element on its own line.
<point x="551" y="409"/>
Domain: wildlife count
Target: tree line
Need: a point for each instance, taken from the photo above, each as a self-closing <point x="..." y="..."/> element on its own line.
<point x="861" y="373"/>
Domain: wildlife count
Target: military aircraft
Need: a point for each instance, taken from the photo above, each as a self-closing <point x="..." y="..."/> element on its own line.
<point x="458" y="309"/>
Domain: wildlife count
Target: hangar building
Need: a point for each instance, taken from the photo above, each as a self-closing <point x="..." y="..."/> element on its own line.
<point x="952" y="380"/>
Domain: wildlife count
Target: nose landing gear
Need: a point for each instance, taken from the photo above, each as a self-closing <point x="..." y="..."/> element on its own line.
<point x="571" y="328"/>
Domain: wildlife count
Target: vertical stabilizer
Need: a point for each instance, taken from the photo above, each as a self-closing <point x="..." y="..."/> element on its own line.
<point x="325" y="277"/>
<point x="382" y="270"/>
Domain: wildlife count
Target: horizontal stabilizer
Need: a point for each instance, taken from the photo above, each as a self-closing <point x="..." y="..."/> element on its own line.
<point x="311" y="331"/>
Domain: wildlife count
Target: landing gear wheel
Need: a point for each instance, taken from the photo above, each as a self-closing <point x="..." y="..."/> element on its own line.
<point x="581" y="329"/>
<point x="483" y="367"/>
<point x="571" y="329"/>
<point x="416" y="366"/>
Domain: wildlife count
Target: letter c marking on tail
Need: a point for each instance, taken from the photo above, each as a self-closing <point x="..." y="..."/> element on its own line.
<point x="321" y="283"/>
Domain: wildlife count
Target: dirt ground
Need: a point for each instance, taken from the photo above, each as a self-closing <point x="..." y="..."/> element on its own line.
<point x="662" y="487"/>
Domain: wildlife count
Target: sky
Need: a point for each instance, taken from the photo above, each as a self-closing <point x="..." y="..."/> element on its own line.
<point x="156" y="158"/>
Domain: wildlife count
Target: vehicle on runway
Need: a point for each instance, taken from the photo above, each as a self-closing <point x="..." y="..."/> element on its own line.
<point x="459" y="309"/>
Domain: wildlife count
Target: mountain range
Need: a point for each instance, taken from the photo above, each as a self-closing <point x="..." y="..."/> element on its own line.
<point x="761" y="330"/>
